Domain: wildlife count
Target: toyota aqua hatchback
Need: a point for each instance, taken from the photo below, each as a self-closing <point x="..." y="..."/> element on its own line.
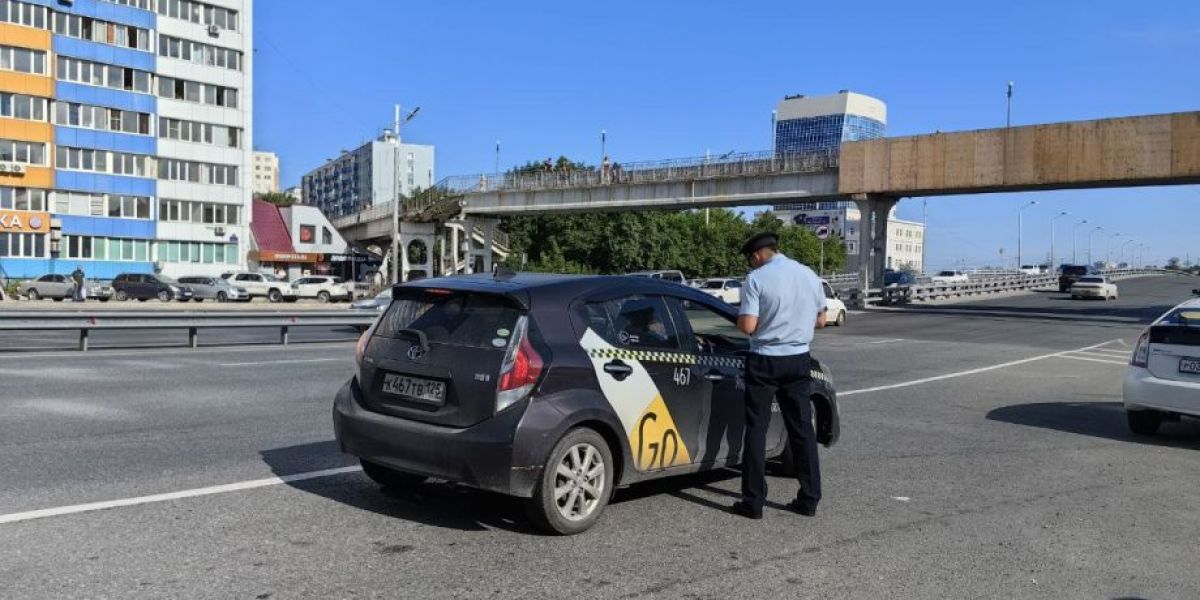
<point x="553" y="388"/>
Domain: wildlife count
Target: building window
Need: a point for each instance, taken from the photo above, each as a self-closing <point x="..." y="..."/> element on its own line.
<point x="99" y="117"/>
<point x="191" y="91"/>
<point x="103" y="161"/>
<point x="23" y="60"/>
<point x="201" y="133"/>
<point x="326" y="236"/>
<point x="308" y="234"/>
<point x="171" y="169"/>
<point x="20" y="106"/>
<point x="199" y="53"/>
<point x="22" y="245"/>
<point x="86" y="247"/>
<point x="102" y="32"/>
<point x="103" y="75"/>
<point x="20" y="198"/>
<point x="198" y="12"/>
<point x="21" y="13"/>
<point x="142" y="4"/>
<point x="209" y="213"/>
<point x="197" y="252"/>
<point x="28" y="153"/>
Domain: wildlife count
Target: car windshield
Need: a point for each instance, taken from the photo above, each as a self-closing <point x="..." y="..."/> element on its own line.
<point x="714" y="284"/>
<point x="1074" y="270"/>
<point x="451" y="317"/>
<point x="166" y="280"/>
<point x="1183" y="316"/>
<point x="946" y="274"/>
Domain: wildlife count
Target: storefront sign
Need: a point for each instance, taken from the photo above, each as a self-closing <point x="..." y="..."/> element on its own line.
<point x="355" y="258"/>
<point x="19" y="221"/>
<point x="287" y="257"/>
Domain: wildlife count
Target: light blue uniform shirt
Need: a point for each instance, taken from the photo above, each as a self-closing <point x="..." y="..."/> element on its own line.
<point x="786" y="296"/>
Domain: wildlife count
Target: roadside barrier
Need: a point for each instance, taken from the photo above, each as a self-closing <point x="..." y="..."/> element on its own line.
<point x="86" y="322"/>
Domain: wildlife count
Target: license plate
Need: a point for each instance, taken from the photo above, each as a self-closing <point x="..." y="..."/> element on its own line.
<point x="1189" y="365"/>
<point x="414" y="388"/>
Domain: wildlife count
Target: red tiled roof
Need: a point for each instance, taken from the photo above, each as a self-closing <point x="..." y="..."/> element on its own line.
<point x="269" y="229"/>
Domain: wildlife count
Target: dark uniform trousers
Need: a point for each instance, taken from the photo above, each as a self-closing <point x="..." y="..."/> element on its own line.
<point x="786" y="379"/>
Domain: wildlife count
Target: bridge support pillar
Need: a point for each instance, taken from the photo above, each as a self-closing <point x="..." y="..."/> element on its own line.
<point x="872" y="241"/>
<point x="412" y="259"/>
<point x="479" y="259"/>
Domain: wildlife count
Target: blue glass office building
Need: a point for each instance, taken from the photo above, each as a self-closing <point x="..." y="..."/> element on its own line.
<point x="821" y="123"/>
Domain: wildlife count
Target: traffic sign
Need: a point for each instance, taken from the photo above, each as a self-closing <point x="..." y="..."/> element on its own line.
<point x="822" y="232"/>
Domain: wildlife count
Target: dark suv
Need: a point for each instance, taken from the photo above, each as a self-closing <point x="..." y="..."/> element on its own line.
<point x="553" y="388"/>
<point x="144" y="287"/>
<point x="1069" y="275"/>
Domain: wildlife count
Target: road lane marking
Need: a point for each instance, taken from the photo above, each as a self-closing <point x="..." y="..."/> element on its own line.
<point x="1112" y="351"/>
<point x="101" y="353"/>
<point x="283" y="361"/>
<point x="1097" y="360"/>
<point x="192" y="493"/>
<point x="957" y="374"/>
<point x="888" y="341"/>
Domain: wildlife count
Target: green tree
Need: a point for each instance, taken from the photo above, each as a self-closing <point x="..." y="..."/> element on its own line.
<point x="276" y="198"/>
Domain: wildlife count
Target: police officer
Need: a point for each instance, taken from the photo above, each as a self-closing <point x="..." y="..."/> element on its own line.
<point x="782" y="303"/>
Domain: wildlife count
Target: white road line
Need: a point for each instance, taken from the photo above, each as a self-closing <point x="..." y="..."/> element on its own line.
<point x="964" y="373"/>
<point x="1107" y="362"/>
<point x="192" y="493"/>
<point x="1122" y="357"/>
<point x="1113" y="351"/>
<point x="887" y="341"/>
<point x="283" y="361"/>
<point x="102" y="353"/>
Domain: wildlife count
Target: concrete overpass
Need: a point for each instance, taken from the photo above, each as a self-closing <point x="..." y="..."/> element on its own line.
<point x="1119" y="152"/>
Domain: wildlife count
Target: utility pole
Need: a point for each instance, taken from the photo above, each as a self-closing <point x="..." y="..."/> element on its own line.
<point x="1020" y="212"/>
<point x="924" y="232"/>
<point x="1052" y="220"/>
<point x="497" y="169"/>
<point x="1090" y="233"/>
<point x="1075" y="242"/>
<point x="603" y="144"/>
<point x="396" y="192"/>
<point x="1008" y="110"/>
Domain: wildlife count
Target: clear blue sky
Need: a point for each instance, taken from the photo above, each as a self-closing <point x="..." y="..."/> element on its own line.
<point x="672" y="79"/>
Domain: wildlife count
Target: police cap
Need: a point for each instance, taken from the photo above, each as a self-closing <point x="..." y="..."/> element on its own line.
<point x="759" y="241"/>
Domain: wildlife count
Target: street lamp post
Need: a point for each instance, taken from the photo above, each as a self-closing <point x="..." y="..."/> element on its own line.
<point x="1090" y="233"/>
<point x="396" y="274"/>
<point x="1121" y="254"/>
<point x="1075" y="242"/>
<point x="1108" y="248"/>
<point x="1020" y="213"/>
<point x="1052" y="220"/>
<point x="1008" y="110"/>
<point x="497" y="169"/>
<point x="603" y="143"/>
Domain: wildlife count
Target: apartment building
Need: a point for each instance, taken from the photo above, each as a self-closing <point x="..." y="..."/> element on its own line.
<point x="124" y="136"/>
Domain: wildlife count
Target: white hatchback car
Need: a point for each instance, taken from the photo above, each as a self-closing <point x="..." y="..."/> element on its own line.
<point x="729" y="290"/>
<point x="1163" y="379"/>
<point x="835" y="309"/>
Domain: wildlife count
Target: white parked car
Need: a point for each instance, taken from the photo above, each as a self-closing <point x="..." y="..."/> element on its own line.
<point x="669" y="275"/>
<point x="835" y="309"/>
<point x="262" y="285"/>
<point x="729" y="290"/>
<point x="1094" y="286"/>
<point x="324" y="288"/>
<point x="1163" y="379"/>
<point x="949" y="277"/>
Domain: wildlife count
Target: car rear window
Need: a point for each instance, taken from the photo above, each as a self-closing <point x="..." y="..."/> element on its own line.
<point x="1091" y="280"/>
<point x="713" y="285"/>
<point x="451" y="317"/>
<point x="1074" y="271"/>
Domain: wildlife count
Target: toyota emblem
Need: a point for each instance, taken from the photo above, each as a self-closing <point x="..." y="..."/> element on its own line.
<point x="415" y="352"/>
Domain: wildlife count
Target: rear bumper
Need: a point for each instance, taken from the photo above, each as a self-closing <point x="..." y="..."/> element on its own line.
<point x="481" y="456"/>
<point x="1142" y="390"/>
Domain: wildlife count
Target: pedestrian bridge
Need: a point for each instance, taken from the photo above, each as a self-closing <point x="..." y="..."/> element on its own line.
<point x="1126" y="151"/>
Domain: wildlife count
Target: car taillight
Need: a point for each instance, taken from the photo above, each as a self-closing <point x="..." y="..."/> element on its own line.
<point x="1141" y="351"/>
<point x="520" y="371"/>
<point x="361" y="348"/>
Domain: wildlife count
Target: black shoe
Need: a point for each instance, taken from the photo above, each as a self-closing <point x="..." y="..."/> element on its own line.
<point x="804" y="508"/>
<point x="745" y="510"/>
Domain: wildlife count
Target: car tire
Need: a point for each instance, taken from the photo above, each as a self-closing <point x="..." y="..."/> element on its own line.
<point x="33" y="294"/>
<point x="121" y="296"/>
<point x="142" y="299"/>
<point x="576" y="453"/>
<point x="222" y="297"/>
<point x="391" y="478"/>
<point x="164" y="296"/>
<point x="274" y="296"/>
<point x="57" y="299"/>
<point x="841" y="319"/>
<point x="323" y="297"/>
<point x="197" y="299"/>
<point x="104" y="299"/>
<point x="1144" y="422"/>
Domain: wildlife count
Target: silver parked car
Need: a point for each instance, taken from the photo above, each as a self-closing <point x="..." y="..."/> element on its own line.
<point x="378" y="303"/>
<point x="215" y="288"/>
<point x="50" y="285"/>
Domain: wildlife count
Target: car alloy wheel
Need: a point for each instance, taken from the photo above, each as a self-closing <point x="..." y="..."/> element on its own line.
<point x="33" y="294"/>
<point x="841" y="319"/>
<point x="221" y="297"/>
<point x="164" y="296"/>
<point x="122" y="296"/>
<point x="274" y="296"/>
<point x="323" y="297"/>
<point x="575" y="485"/>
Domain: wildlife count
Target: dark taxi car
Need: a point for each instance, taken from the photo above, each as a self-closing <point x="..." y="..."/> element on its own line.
<point x="144" y="287"/>
<point x="553" y="388"/>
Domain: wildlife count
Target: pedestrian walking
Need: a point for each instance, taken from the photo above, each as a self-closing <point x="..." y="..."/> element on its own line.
<point x="605" y="167"/>
<point x="783" y="302"/>
<point x="80" y="294"/>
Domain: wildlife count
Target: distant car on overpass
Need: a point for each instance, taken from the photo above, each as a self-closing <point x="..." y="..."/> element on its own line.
<point x="1162" y="381"/>
<point x="1094" y="286"/>
<point x="1069" y="275"/>
<point x="950" y="277"/>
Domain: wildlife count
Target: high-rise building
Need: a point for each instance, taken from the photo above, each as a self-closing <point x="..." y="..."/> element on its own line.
<point x="266" y="172"/>
<point x="124" y="129"/>
<point x="369" y="175"/>
<point x="822" y="123"/>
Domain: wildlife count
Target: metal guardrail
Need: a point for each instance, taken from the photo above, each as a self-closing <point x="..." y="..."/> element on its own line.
<point x="991" y="285"/>
<point x="86" y="322"/>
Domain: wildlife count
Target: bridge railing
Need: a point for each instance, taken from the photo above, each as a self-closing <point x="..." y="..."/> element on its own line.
<point x="658" y="171"/>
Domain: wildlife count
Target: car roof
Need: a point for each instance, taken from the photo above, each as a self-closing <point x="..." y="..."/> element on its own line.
<point x="523" y="286"/>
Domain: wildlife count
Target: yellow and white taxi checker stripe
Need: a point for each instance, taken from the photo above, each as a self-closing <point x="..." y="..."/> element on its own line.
<point x="674" y="358"/>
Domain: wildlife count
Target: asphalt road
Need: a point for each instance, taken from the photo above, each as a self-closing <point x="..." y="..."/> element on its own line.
<point x="984" y="454"/>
